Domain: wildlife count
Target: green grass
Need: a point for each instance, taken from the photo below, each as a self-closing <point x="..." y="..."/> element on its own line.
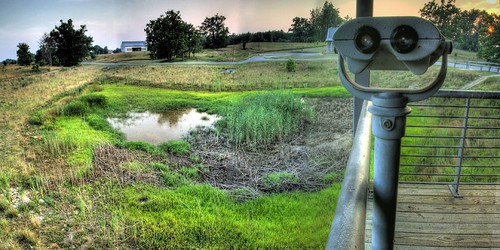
<point x="490" y="84"/>
<point x="458" y="54"/>
<point x="200" y="216"/>
<point x="228" y="54"/>
<point x="179" y="212"/>
<point x="455" y="78"/>
<point x="261" y="119"/>
<point x="175" y="147"/>
<point x="182" y="212"/>
<point x="251" y="76"/>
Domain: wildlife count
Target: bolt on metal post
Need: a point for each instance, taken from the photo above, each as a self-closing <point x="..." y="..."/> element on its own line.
<point x="389" y="112"/>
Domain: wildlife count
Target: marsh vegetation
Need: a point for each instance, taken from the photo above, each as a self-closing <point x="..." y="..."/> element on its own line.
<point x="266" y="175"/>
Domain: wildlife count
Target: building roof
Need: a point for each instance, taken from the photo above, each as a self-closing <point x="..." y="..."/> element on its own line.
<point x="329" y="34"/>
<point x="133" y="44"/>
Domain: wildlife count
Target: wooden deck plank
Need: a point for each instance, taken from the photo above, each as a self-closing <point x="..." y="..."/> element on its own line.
<point x="429" y="217"/>
<point x="445" y="191"/>
<point x="444" y="240"/>
<point x="450" y="208"/>
<point x="443" y="217"/>
<point x="464" y="186"/>
<point x="368" y="246"/>
<point x="454" y="228"/>
<point x="449" y="200"/>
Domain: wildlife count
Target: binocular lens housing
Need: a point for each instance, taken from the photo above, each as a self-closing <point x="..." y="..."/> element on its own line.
<point x="367" y="39"/>
<point x="404" y="39"/>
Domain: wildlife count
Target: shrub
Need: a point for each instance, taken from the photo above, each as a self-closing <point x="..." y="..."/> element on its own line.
<point x="291" y="65"/>
<point x="173" y="179"/>
<point x="176" y="147"/>
<point x="37" y="118"/>
<point x="27" y="238"/>
<point x="4" y="205"/>
<point x="95" y="100"/>
<point x="100" y="123"/>
<point x="266" y="117"/>
<point x="278" y="181"/>
<point x="75" y="108"/>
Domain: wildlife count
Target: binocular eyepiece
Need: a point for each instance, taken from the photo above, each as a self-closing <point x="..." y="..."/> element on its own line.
<point x="390" y="43"/>
<point x="404" y="39"/>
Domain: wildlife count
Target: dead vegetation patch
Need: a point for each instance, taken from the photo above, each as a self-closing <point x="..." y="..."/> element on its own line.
<point x="310" y="160"/>
<point x="113" y="163"/>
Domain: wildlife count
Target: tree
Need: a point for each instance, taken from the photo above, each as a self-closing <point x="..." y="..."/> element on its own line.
<point x="444" y="16"/>
<point x="194" y="40"/>
<point x="39" y="58"/>
<point x="317" y="26"/>
<point x="470" y="23"/>
<point x="166" y="36"/>
<point x="24" y="56"/>
<point x="72" y="46"/>
<point x="215" y="31"/>
<point x="489" y="41"/>
<point x="47" y="48"/>
<point x="301" y="29"/>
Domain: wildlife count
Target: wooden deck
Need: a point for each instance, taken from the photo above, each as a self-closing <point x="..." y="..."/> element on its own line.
<point x="428" y="217"/>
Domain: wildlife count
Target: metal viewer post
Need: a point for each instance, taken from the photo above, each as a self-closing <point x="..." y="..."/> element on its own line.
<point x="363" y="43"/>
<point x="389" y="121"/>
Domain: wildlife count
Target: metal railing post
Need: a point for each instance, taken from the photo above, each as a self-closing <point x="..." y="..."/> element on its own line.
<point x="458" y="169"/>
<point x="364" y="8"/>
<point x="389" y="112"/>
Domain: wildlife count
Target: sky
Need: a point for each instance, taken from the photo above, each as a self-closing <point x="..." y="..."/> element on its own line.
<point x="111" y="21"/>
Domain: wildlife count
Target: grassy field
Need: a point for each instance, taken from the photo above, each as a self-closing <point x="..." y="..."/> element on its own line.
<point x="68" y="179"/>
<point x="232" y="53"/>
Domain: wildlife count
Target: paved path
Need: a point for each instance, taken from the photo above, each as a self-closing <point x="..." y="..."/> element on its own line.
<point x="272" y="57"/>
<point x="478" y="81"/>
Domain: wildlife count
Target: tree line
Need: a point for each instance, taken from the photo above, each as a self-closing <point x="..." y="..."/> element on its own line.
<point x="64" y="46"/>
<point x="169" y="36"/>
<point x="473" y="30"/>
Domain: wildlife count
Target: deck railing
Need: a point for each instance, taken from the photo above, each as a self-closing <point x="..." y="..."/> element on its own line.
<point x="348" y="227"/>
<point x="452" y="139"/>
<point x="441" y="146"/>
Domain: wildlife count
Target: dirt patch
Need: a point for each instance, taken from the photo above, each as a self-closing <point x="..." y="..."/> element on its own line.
<point x="308" y="161"/>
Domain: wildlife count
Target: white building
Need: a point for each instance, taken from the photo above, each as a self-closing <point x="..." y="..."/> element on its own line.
<point x="329" y="39"/>
<point x="132" y="46"/>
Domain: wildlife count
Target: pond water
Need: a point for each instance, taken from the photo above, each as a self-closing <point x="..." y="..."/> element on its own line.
<point x="156" y="128"/>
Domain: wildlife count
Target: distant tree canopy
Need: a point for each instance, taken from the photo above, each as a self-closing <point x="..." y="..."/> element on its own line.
<point x="215" y="32"/>
<point x="169" y="37"/>
<point x="472" y="30"/>
<point x="71" y="46"/>
<point x="316" y="27"/>
<point x="9" y="61"/>
<point x="24" y="56"/>
<point x="489" y="41"/>
<point x="46" y="52"/>
<point x="259" y="37"/>
<point x="98" y="50"/>
<point x="302" y="30"/>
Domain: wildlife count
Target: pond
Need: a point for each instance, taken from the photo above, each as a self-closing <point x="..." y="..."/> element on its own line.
<point x="156" y="128"/>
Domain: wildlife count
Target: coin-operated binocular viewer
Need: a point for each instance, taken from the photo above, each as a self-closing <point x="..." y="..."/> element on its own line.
<point x="389" y="43"/>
